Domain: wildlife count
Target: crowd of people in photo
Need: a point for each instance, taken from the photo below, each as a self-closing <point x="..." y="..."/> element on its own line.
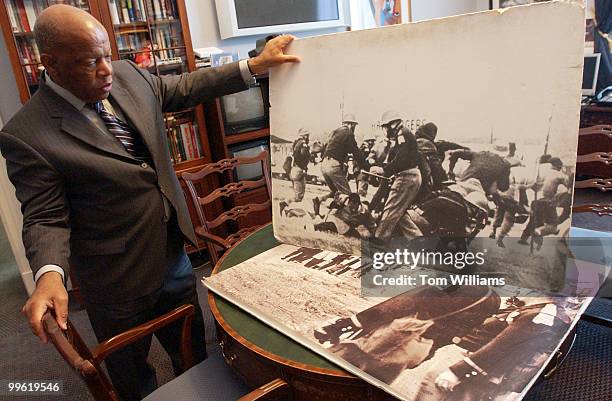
<point x="395" y="185"/>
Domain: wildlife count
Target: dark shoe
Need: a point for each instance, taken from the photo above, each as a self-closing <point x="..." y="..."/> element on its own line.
<point x="316" y="203"/>
<point x="492" y="235"/>
<point x="523" y="241"/>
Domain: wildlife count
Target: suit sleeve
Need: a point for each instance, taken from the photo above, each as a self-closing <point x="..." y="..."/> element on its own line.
<point x="180" y="92"/>
<point x="40" y="189"/>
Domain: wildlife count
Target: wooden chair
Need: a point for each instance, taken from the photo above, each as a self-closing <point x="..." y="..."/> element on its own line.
<point x="87" y="362"/>
<point x="215" y="243"/>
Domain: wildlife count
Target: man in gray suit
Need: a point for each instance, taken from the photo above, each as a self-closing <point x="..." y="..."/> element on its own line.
<point x="88" y="156"/>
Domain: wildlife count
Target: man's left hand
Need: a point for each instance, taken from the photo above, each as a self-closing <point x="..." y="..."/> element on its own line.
<point x="273" y="55"/>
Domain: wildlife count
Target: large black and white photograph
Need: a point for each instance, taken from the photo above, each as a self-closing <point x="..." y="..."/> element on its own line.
<point x="429" y="343"/>
<point x="407" y="132"/>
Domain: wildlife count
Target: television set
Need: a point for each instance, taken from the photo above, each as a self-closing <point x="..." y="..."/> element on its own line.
<point x="244" y="111"/>
<point x="252" y="171"/>
<point x="590" y="73"/>
<point x="264" y="17"/>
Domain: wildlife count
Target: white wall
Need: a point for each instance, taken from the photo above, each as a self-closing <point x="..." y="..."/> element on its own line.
<point x="9" y="97"/>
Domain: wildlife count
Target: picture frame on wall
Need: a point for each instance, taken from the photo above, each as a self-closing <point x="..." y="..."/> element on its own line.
<point x="387" y="12"/>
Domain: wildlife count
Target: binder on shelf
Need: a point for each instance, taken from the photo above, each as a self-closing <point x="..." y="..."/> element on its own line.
<point x="114" y="11"/>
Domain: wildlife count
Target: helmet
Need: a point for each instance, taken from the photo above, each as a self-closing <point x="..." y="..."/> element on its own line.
<point x="303" y="132"/>
<point x="349" y="118"/>
<point x="389" y="117"/>
<point x="428" y="131"/>
<point x="556" y="162"/>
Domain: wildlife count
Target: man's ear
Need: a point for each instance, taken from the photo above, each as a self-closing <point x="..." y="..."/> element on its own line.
<point x="49" y="62"/>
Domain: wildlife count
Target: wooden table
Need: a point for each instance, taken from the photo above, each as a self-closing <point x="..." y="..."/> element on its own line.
<point x="260" y="354"/>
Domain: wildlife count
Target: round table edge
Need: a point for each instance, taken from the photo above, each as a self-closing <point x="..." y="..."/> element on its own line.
<point x="266" y="354"/>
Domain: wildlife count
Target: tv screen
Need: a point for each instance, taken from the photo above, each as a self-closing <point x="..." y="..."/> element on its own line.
<point x="590" y="74"/>
<point x="244" y="111"/>
<point x="250" y="149"/>
<point x="259" y="13"/>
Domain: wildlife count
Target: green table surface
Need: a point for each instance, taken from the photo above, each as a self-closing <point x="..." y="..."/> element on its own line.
<point x="248" y="326"/>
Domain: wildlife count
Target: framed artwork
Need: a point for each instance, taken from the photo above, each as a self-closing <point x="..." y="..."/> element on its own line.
<point x="387" y="12"/>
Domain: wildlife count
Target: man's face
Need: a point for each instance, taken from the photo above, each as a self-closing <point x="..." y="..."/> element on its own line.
<point x="84" y="67"/>
<point x="351" y="126"/>
<point x="391" y="133"/>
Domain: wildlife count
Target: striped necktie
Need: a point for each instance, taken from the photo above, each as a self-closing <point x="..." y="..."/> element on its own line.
<point x="130" y="139"/>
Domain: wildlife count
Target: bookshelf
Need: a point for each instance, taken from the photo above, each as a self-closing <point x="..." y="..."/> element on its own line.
<point x="152" y="33"/>
<point x="17" y="18"/>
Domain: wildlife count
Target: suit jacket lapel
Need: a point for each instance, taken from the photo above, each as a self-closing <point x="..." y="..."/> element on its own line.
<point x="137" y="118"/>
<point x="76" y="124"/>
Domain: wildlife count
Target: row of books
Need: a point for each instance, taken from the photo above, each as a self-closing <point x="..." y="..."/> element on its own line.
<point x="184" y="142"/>
<point x="30" y="58"/>
<point x="126" y="11"/>
<point x="140" y="41"/>
<point x="164" y="38"/>
<point x="23" y="13"/>
<point x="28" y="51"/>
<point x="32" y="73"/>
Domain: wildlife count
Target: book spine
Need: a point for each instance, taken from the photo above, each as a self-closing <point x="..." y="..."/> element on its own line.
<point x="34" y="49"/>
<point x="160" y="40"/>
<point x="192" y="143"/>
<point x="114" y="11"/>
<point x="185" y="139"/>
<point x="196" y="140"/>
<point x="156" y="9"/>
<point x="30" y="12"/>
<point x="179" y="143"/>
<point x="174" y="12"/>
<point x="10" y="10"/>
<point x="124" y="11"/>
<point x="130" y="9"/>
<point x="136" y="10"/>
<point x="18" y="17"/>
<point x="143" y="13"/>
<point x="164" y="13"/>
<point x="23" y="18"/>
